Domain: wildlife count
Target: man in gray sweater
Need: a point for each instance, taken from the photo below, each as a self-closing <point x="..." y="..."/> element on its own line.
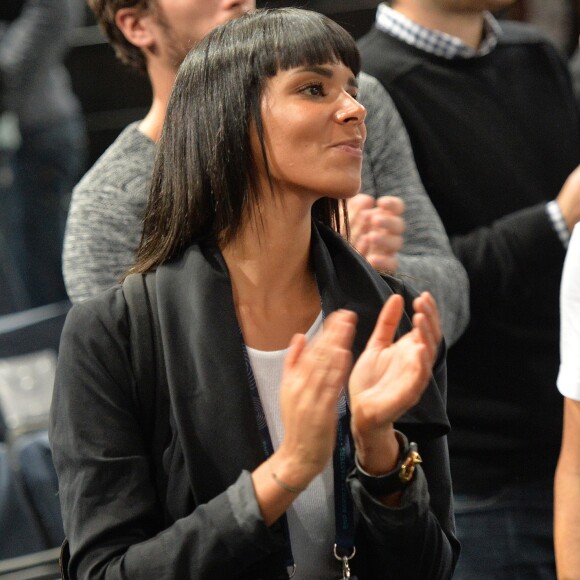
<point x="107" y="208"/>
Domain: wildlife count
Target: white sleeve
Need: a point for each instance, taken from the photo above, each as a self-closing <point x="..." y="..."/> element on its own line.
<point x="569" y="375"/>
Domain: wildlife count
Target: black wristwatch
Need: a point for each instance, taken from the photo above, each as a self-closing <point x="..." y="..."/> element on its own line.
<point x="397" y="479"/>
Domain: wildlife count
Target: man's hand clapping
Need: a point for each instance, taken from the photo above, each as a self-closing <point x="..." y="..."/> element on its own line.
<point x="376" y="229"/>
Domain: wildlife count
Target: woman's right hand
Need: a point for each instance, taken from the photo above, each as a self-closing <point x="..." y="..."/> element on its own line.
<point x="313" y="377"/>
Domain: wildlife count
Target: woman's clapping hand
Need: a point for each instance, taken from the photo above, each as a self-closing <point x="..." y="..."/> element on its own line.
<point x="387" y="380"/>
<point x="390" y="377"/>
<point x="313" y="377"/>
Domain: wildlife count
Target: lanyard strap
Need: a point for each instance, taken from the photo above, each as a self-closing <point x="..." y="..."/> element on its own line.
<point x="343" y="507"/>
<point x="267" y="445"/>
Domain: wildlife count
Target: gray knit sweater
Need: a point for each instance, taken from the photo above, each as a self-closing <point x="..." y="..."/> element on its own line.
<point x="108" y="205"/>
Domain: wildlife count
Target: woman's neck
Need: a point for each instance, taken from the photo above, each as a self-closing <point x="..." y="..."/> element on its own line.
<point x="274" y="289"/>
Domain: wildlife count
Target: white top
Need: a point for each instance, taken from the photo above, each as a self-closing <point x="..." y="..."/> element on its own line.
<point x="569" y="376"/>
<point x="311" y="516"/>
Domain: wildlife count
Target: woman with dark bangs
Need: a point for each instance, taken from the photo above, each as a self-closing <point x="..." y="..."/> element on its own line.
<point x="281" y="430"/>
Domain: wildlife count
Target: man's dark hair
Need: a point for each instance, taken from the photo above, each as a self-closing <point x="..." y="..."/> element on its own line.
<point x="10" y="10"/>
<point x="204" y="181"/>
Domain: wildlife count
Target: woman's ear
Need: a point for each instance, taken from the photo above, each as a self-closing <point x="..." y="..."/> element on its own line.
<point x="136" y="26"/>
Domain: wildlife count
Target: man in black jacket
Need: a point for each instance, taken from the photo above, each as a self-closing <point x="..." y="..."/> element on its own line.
<point x="495" y="133"/>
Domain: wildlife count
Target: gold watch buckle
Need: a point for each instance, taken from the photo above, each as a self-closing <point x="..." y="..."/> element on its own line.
<point x="408" y="466"/>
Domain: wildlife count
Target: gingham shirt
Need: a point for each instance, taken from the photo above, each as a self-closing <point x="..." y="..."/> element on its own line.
<point x="450" y="47"/>
<point x="434" y="41"/>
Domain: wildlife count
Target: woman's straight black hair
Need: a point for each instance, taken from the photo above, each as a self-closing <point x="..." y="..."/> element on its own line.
<point x="204" y="181"/>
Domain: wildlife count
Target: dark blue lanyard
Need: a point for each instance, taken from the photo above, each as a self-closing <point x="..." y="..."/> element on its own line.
<point x="341" y="463"/>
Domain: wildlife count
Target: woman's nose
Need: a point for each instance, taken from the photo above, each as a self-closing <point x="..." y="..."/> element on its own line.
<point x="350" y="110"/>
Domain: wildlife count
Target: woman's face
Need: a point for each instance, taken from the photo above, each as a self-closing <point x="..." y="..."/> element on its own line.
<point x="314" y="132"/>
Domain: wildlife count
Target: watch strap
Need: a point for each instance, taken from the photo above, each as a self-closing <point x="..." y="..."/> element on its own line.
<point x="398" y="478"/>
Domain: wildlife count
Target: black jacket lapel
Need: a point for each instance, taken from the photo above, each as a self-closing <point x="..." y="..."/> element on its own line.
<point x="206" y="372"/>
<point x="341" y="273"/>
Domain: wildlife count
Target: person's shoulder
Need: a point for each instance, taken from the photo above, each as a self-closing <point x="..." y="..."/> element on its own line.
<point x="518" y="33"/>
<point x="130" y="156"/>
<point x="370" y="87"/>
<point x="107" y="307"/>
<point x="373" y="95"/>
<point x="103" y="315"/>
<point x="130" y="150"/>
<point x="528" y="49"/>
<point x="366" y="82"/>
<point x="374" y="40"/>
<point x="382" y="115"/>
<point x="388" y="58"/>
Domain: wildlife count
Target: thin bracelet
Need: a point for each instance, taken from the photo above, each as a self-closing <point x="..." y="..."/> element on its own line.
<point x="283" y="485"/>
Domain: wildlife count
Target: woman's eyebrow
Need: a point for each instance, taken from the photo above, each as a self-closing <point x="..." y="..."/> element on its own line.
<point x="325" y="72"/>
<point x="320" y="70"/>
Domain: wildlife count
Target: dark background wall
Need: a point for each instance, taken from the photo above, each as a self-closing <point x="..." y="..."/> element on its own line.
<point x="113" y="96"/>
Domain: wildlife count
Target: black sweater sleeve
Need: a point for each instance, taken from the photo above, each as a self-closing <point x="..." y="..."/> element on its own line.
<point x="509" y="252"/>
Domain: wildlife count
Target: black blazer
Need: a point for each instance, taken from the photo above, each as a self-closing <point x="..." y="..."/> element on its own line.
<point x="171" y="496"/>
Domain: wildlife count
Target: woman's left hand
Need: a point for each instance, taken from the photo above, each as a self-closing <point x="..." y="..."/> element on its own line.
<point x="390" y="377"/>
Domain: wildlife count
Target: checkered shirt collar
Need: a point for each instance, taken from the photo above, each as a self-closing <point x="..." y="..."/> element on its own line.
<point x="434" y="41"/>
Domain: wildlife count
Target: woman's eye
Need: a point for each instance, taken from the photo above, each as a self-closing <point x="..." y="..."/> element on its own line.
<point x="315" y="90"/>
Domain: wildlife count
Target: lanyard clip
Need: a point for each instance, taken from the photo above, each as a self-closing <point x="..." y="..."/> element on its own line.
<point x="345" y="569"/>
<point x="344" y="561"/>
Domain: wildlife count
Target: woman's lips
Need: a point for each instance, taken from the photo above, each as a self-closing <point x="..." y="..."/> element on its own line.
<point x="354" y="147"/>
